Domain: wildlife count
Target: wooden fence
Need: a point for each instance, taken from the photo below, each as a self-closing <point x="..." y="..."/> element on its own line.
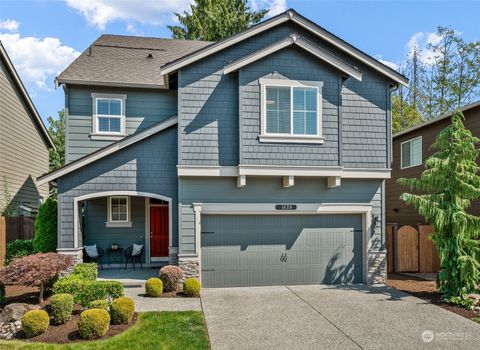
<point x="13" y="228"/>
<point x="409" y="249"/>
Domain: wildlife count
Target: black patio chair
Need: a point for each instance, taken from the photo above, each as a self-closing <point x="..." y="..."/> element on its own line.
<point x="95" y="259"/>
<point x="133" y="258"/>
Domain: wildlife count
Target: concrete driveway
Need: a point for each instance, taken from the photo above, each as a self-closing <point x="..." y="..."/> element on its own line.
<point x="331" y="317"/>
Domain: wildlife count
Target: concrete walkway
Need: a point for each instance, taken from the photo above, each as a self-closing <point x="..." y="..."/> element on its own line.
<point x="331" y="317"/>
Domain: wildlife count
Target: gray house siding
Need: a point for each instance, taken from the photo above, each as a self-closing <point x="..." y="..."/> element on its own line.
<point x="96" y="232"/>
<point x="270" y="190"/>
<point x="23" y="151"/>
<point x="210" y="112"/>
<point x="147" y="166"/>
<point x="143" y="108"/>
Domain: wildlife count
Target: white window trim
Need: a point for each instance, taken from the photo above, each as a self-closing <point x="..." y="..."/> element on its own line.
<point x="99" y="135"/>
<point x="421" y="152"/>
<point x="123" y="223"/>
<point x="289" y="138"/>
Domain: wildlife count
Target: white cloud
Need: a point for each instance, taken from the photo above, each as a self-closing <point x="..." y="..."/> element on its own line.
<point x="101" y="12"/>
<point x="390" y="64"/>
<point x="275" y="6"/>
<point x="421" y="42"/>
<point x="37" y="60"/>
<point x="10" y="25"/>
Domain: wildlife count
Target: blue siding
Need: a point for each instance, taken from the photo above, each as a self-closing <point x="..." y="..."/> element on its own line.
<point x="143" y="109"/>
<point x="147" y="166"/>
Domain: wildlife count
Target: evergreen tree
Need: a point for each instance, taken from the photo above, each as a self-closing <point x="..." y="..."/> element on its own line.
<point x="56" y="130"/>
<point x="450" y="183"/>
<point x="404" y="115"/>
<point x="212" y="20"/>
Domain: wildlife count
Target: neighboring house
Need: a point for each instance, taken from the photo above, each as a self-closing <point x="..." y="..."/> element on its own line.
<point x="24" y="144"/>
<point x="411" y="148"/>
<point x="256" y="160"/>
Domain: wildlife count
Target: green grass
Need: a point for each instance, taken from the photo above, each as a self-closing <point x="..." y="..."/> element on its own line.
<point x="153" y="330"/>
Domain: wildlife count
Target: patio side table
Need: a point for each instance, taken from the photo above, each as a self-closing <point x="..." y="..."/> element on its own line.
<point x="114" y="256"/>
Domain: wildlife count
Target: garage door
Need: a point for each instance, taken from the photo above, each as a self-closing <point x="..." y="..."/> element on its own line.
<point x="255" y="250"/>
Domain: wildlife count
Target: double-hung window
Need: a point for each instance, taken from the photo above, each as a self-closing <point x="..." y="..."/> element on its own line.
<point x="108" y="114"/>
<point x="118" y="211"/>
<point x="291" y="111"/>
<point x="411" y="153"/>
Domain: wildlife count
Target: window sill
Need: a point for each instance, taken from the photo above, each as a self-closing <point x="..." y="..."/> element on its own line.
<point x="291" y="139"/>
<point x="410" y="166"/>
<point x="118" y="224"/>
<point x="107" y="137"/>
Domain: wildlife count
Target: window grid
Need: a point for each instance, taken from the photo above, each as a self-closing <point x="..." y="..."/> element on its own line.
<point x="109" y="114"/>
<point x="119" y="209"/>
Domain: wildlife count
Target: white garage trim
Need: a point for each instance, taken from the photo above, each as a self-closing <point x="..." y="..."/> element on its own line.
<point x="364" y="209"/>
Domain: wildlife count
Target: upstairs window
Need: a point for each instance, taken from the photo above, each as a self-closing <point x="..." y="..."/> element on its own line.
<point x="291" y="111"/>
<point x="109" y="114"/>
<point x="411" y="153"/>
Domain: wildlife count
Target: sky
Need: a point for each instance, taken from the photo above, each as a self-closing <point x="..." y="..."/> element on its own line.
<point x="43" y="37"/>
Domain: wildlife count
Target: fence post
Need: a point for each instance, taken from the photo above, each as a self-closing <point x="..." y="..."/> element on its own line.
<point x="3" y="240"/>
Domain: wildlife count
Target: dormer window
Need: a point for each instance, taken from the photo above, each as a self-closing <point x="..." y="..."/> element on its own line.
<point x="291" y="111"/>
<point x="108" y="115"/>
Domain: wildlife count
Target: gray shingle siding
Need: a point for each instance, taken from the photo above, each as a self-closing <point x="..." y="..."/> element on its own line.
<point x="209" y="109"/>
<point x="147" y="166"/>
<point x="143" y="109"/>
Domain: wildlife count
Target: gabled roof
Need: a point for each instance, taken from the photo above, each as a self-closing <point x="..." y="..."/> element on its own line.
<point x="302" y="43"/>
<point x="33" y="111"/>
<point x="436" y="120"/>
<point x="289" y="15"/>
<point x="119" y="60"/>
<point x="105" y="151"/>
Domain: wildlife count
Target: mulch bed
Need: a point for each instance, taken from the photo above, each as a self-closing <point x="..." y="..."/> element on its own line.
<point x="176" y="294"/>
<point x="22" y="294"/>
<point x="425" y="290"/>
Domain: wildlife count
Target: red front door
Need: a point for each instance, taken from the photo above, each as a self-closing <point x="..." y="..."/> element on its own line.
<point x="159" y="231"/>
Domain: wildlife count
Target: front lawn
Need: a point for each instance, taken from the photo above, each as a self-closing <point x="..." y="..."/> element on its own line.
<point x="153" y="330"/>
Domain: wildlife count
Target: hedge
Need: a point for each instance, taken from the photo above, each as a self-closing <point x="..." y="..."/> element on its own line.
<point x="46" y="228"/>
<point x="84" y="291"/>
<point x="85" y="271"/>
<point x="18" y="249"/>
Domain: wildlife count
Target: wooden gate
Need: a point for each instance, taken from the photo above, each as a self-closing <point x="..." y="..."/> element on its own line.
<point x="406" y="249"/>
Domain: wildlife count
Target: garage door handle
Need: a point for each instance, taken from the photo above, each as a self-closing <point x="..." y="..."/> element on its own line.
<point x="283" y="257"/>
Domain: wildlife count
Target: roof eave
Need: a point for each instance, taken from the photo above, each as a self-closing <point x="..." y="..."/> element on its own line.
<point x="62" y="81"/>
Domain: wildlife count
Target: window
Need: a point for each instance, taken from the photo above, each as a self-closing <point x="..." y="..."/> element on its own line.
<point x="411" y="153"/>
<point x="291" y="111"/>
<point x="119" y="211"/>
<point x="109" y="114"/>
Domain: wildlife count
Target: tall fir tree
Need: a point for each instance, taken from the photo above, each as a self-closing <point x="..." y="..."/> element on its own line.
<point x="450" y="183"/>
<point x="212" y="20"/>
<point x="56" y="130"/>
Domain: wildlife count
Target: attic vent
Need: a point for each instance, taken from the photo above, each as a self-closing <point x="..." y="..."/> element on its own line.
<point x="149" y="55"/>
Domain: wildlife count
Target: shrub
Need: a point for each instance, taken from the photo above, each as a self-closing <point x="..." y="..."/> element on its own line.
<point x="18" y="249"/>
<point x="191" y="287"/>
<point x="35" y="270"/>
<point x="171" y="276"/>
<point x="46" y="228"/>
<point x="93" y="323"/>
<point x="99" y="304"/>
<point x="122" y="310"/>
<point x="2" y="294"/>
<point x="154" y="287"/>
<point x="35" y="322"/>
<point x="86" y="271"/>
<point x="62" y="307"/>
<point x="84" y="292"/>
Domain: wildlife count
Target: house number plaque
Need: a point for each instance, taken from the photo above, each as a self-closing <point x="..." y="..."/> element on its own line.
<point x="286" y="207"/>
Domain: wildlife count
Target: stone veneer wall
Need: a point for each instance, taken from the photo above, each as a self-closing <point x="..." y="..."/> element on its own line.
<point x="377" y="267"/>
<point x="190" y="266"/>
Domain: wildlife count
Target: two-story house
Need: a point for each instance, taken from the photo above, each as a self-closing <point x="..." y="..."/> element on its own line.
<point x="259" y="159"/>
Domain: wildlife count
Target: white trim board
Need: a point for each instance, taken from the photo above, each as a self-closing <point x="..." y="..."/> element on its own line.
<point x="364" y="209"/>
<point x="306" y="45"/>
<point x="289" y="15"/>
<point x="114" y="147"/>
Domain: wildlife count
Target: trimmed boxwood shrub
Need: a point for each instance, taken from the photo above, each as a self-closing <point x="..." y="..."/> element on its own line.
<point x="35" y="322"/>
<point x="62" y="307"/>
<point x="86" y="271"/>
<point x="46" y="228"/>
<point x="122" y="310"/>
<point x="18" y="249"/>
<point x="84" y="292"/>
<point x="191" y="287"/>
<point x="99" y="304"/>
<point x="93" y="323"/>
<point x="154" y="287"/>
<point x="171" y="276"/>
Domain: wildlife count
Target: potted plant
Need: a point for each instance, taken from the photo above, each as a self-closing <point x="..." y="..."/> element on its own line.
<point x="115" y="246"/>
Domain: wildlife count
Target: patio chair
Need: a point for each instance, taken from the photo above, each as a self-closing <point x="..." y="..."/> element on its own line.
<point x="129" y="256"/>
<point x="96" y="259"/>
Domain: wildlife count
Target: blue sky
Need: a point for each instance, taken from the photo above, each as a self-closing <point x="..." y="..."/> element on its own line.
<point x="44" y="36"/>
